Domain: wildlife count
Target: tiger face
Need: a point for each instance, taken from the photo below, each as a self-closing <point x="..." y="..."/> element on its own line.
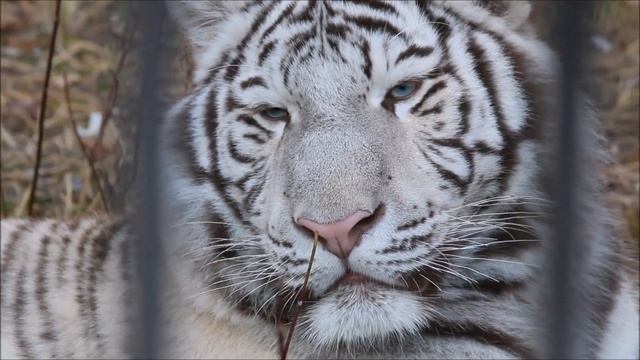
<point x="392" y="130"/>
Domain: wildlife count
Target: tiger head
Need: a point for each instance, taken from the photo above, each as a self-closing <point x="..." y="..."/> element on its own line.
<point x="398" y="133"/>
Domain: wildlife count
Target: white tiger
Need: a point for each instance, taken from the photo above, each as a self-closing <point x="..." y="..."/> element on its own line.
<point x="405" y="134"/>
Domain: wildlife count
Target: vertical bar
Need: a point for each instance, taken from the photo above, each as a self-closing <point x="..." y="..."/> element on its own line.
<point x="151" y="16"/>
<point x="567" y="260"/>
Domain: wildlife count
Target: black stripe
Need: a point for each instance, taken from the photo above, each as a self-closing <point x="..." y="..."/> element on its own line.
<point x="232" y="70"/>
<point x="99" y="253"/>
<point x="253" y="81"/>
<point x="406" y="244"/>
<point x="232" y="103"/>
<point x="364" y="49"/>
<point x="330" y="11"/>
<point x="533" y="92"/>
<point x="373" y="24"/>
<point x="415" y="51"/>
<point x="495" y="288"/>
<point x="508" y="152"/>
<point x="217" y="179"/>
<point x="9" y="254"/>
<point x="304" y="15"/>
<point x="184" y="144"/>
<point x="434" y="110"/>
<point x="608" y="275"/>
<point x="483" y="69"/>
<point x="411" y="224"/>
<point x="481" y="334"/>
<point x="336" y="48"/>
<point x="440" y="24"/>
<point x="447" y="174"/>
<point x="308" y="54"/>
<point x="464" y="107"/>
<point x="61" y="262"/>
<point x="503" y="248"/>
<point x="253" y="123"/>
<point x="282" y="16"/>
<point x="266" y="50"/>
<point x="212" y="71"/>
<point x="47" y="334"/>
<point x="435" y="88"/>
<point x="81" y="295"/>
<point x="62" y="259"/>
<point x="235" y="153"/>
<point x="219" y="234"/>
<point x="19" y="313"/>
<point x="430" y="92"/>
<point x="321" y="31"/>
<point x="255" y="25"/>
<point x="459" y="145"/>
<point x="298" y="41"/>
<point x="280" y="243"/>
<point x="253" y="194"/>
<point x="482" y="148"/>
<point x="255" y="138"/>
<point x="337" y="30"/>
<point x="379" y="5"/>
<point x="248" y="176"/>
<point x="535" y="103"/>
<point x="285" y="68"/>
<point x="251" y="4"/>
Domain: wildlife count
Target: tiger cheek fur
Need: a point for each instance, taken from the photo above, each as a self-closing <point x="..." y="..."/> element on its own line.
<point x="402" y="132"/>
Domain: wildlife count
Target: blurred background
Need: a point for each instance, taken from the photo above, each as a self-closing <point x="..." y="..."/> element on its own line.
<point x="88" y="158"/>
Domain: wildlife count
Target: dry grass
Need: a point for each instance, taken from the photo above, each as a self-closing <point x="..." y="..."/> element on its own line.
<point x="90" y="45"/>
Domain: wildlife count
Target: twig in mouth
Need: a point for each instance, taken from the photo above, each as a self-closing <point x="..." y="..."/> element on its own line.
<point x="43" y="107"/>
<point x="284" y="348"/>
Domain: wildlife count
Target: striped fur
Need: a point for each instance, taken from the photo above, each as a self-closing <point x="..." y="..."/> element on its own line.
<point x="452" y="170"/>
<point x="62" y="289"/>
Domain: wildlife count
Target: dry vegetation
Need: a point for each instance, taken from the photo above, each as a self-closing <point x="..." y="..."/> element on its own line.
<point x="93" y="39"/>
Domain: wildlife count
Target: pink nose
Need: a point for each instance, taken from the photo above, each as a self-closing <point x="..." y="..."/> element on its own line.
<point x="336" y="234"/>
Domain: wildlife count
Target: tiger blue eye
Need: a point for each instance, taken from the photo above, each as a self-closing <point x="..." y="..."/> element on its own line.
<point x="276" y="113"/>
<point x="403" y="90"/>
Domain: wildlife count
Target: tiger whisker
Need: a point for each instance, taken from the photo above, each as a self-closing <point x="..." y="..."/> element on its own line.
<point x="445" y="270"/>
<point x="432" y="283"/>
<point x="490" y="259"/>
<point x="470" y="269"/>
<point x="468" y="247"/>
<point x="251" y="256"/>
<point x="257" y="288"/>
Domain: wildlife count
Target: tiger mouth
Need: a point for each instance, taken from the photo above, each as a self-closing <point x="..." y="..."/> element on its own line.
<point x="425" y="285"/>
<point x="352" y="279"/>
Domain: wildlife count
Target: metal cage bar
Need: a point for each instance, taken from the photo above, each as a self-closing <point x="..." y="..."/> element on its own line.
<point x="566" y="306"/>
<point x="152" y="16"/>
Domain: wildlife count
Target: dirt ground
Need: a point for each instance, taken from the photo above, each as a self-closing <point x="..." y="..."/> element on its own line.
<point x="94" y="37"/>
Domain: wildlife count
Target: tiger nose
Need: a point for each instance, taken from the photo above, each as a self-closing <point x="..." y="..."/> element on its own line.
<point x="338" y="239"/>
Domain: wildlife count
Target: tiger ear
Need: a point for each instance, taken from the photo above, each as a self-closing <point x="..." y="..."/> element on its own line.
<point x="515" y="13"/>
<point x="199" y="19"/>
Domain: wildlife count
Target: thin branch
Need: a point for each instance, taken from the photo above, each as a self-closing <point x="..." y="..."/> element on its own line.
<point x="284" y="349"/>
<point x="88" y="156"/>
<point x="112" y="96"/>
<point x="43" y="107"/>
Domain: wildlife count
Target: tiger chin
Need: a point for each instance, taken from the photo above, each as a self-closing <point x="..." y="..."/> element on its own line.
<point x="404" y="135"/>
